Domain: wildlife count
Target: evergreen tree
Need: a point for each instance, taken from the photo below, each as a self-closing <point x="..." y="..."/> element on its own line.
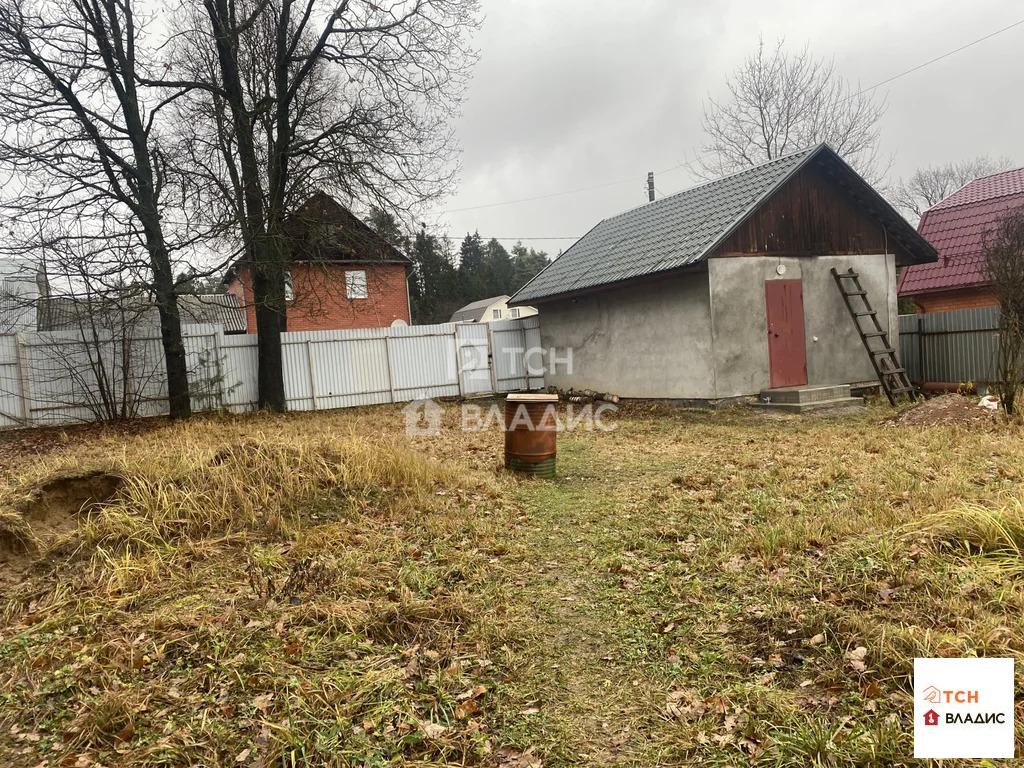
<point x="386" y="225"/>
<point x="497" y="269"/>
<point x="472" y="269"/>
<point x="434" y="287"/>
<point x="526" y="263"/>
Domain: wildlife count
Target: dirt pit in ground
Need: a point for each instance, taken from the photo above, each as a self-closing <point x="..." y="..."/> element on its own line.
<point x="51" y="510"/>
<point x="951" y="409"/>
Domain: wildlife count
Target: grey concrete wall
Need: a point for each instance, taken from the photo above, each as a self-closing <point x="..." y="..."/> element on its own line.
<point x="835" y="353"/>
<point x="652" y="341"/>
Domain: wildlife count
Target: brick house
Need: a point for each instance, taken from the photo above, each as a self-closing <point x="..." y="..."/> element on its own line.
<point x="957" y="227"/>
<point x="343" y="275"/>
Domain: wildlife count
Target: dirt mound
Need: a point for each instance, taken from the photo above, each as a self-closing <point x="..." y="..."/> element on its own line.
<point x="49" y="511"/>
<point x="944" y="410"/>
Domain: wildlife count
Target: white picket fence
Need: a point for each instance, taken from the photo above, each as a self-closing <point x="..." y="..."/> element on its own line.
<point x="64" y="377"/>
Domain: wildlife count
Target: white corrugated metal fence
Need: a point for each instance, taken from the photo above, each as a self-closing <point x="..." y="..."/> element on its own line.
<point x="55" y="378"/>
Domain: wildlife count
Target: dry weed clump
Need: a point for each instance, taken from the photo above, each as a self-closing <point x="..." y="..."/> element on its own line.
<point x="993" y="528"/>
<point x="263" y="592"/>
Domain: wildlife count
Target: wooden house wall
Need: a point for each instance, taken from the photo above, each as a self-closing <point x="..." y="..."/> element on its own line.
<point x="810" y="215"/>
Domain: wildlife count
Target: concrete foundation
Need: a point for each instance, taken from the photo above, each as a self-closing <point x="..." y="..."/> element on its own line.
<point x="803" y="399"/>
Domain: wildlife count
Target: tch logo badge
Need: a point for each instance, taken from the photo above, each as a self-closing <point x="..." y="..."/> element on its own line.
<point x="935" y="696"/>
<point x="963" y="708"/>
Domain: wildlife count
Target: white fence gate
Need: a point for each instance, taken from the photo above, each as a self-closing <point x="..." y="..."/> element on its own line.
<point x="65" y="377"/>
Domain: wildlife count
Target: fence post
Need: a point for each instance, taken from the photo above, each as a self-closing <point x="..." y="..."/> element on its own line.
<point x="492" y="358"/>
<point x="920" y="349"/>
<point x="312" y="375"/>
<point x="387" y="354"/>
<point x="458" y="362"/>
<point x="24" y="377"/>
<point x="218" y="331"/>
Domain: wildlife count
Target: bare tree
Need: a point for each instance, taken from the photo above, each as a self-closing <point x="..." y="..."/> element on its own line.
<point x="81" y="113"/>
<point x="927" y="186"/>
<point x="350" y="96"/>
<point x="780" y="102"/>
<point x="1004" y="263"/>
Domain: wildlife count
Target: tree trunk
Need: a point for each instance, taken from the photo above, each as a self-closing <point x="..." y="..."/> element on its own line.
<point x="270" y="324"/>
<point x="179" y="404"/>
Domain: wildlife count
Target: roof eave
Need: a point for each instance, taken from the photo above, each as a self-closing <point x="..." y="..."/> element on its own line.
<point x="686" y="269"/>
<point x="902" y="293"/>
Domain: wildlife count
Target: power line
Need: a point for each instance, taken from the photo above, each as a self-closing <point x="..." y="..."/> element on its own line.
<point x="690" y="163"/>
<point x="482" y="237"/>
<point x="540" y="197"/>
<point x="940" y="58"/>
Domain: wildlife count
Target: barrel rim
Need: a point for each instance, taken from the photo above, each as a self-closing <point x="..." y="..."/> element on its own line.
<point x="531" y="398"/>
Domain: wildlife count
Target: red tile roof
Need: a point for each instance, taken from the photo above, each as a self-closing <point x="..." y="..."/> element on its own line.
<point x="956" y="227"/>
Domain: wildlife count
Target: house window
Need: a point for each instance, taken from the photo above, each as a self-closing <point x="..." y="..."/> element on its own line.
<point x="289" y="289"/>
<point x="355" y="284"/>
<point x="515" y="312"/>
<point x="495" y="314"/>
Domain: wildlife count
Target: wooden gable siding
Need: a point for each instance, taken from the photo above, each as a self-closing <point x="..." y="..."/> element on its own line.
<point x="810" y="215"/>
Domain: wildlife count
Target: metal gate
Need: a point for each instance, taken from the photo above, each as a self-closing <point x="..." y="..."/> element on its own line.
<point x="472" y="354"/>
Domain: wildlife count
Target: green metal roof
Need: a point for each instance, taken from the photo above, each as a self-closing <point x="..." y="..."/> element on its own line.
<point x="685" y="228"/>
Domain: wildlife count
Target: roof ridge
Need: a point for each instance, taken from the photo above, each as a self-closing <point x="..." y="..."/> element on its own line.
<point x="990" y="175"/>
<point x="709" y="182"/>
<point x="938" y="207"/>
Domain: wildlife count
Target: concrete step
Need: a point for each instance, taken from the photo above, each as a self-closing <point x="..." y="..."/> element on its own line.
<point x="814" y="394"/>
<point x="820" y="405"/>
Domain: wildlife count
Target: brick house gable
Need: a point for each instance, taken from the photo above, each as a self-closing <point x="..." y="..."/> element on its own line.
<point x="342" y="275"/>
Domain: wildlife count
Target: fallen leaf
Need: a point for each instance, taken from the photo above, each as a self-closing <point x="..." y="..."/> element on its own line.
<point x="262" y="702"/>
<point x="467" y="709"/>
<point x="126" y="733"/>
<point x="815" y="641"/>
<point x="472" y="693"/>
<point x="431" y="730"/>
<point x="242" y="756"/>
<point x="856" y="657"/>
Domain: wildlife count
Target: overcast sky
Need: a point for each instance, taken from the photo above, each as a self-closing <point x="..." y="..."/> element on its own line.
<point x="578" y="93"/>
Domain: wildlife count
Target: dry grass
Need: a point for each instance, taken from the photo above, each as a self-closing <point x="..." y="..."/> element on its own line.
<point x="259" y="590"/>
<point x="695" y="588"/>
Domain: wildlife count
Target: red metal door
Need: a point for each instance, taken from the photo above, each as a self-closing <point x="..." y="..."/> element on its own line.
<point x="787" y="353"/>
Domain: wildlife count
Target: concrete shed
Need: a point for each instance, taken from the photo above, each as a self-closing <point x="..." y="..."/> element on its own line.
<point x="725" y="289"/>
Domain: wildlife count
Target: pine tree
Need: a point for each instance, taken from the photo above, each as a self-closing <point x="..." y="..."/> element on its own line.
<point x="497" y="269"/>
<point x="434" y="288"/>
<point x="526" y="263"/>
<point x="472" y="273"/>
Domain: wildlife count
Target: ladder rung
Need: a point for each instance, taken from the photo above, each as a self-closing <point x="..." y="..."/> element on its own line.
<point x="894" y="371"/>
<point x="873" y="333"/>
<point x="856" y="293"/>
<point x="883" y="351"/>
<point x="897" y="390"/>
<point x="865" y="314"/>
<point x="847" y="274"/>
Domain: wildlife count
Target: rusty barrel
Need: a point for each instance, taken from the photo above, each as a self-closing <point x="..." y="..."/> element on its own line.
<point x="531" y="429"/>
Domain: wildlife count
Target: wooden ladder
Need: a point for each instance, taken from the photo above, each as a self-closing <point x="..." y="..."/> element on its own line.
<point x="891" y="375"/>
